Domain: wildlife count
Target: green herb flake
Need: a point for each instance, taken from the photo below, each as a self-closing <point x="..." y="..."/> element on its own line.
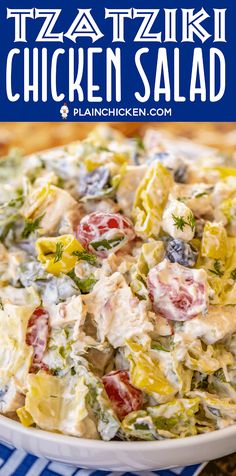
<point x="85" y="256"/>
<point x="67" y="332"/>
<point x="140" y="143"/>
<point x="106" y="244"/>
<point x="163" y="423"/>
<point x="191" y="221"/>
<point x="56" y="372"/>
<point x="219" y="374"/>
<point x="159" y="346"/>
<point x="141" y="426"/>
<point x="31" y="226"/>
<point x="199" y="195"/>
<point x="217" y="269"/>
<point x="233" y="274"/>
<point x="62" y="352"/>
<point x="7" y="228"/>
<point x="16" y="202"/>
<point x="58" y="252"/>
<point x="102" y="148"/>
<point x="1" y="305"/>
<point x="183" y="199"/>
<point x="180" y="222"/>
<point x="85" y="285"/>
<point x="73" y="276"/>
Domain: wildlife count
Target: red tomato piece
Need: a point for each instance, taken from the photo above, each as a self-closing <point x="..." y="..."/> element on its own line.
<point x="101" y="232"/>
<point x="178" y="293"/>
<point x="124" y="397"/>
<point x="37" y="335"/>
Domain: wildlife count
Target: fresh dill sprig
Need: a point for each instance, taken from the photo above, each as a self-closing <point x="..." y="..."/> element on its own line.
<point x="58" y="252"/>
<point x="85" y="256"/>
<point x="217" y="269"/>
<point x="191" y="221"/>
<point x="31" y="226"/>
<point x="180" y="222"/>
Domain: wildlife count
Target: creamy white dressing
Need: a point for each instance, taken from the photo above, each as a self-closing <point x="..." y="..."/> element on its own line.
<point x="217" y="324"/>
<point x="118" y="314"/>
<point x="147" y="295"/>
<point x="177" y="210"/>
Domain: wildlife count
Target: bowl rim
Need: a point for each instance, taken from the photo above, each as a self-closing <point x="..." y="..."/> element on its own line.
<point x="128" y="446"/>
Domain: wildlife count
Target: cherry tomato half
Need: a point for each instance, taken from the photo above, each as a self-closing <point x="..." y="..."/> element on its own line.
<point x="102" y="232"/>
<point x="37" y="335"/>
<point x="124" y="397"/>
<point x="178" y="293"/>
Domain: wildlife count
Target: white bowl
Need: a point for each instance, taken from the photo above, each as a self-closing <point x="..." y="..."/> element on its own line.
<point x="118" y="455"/>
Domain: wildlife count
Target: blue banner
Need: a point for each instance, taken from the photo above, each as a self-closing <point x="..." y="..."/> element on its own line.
<point x="102" y="60"/>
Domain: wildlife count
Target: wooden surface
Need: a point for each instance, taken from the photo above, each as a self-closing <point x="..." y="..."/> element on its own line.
<point x="33" y="136"/>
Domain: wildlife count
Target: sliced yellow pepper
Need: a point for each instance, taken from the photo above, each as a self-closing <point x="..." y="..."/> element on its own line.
<point x="224" y="172"/>
<point x="150" y="200"/>
<point x="146" y="375"/>
<point x="37" y="201"/>
<point x="94" y="161"/>
<point x="228" y="207"/>
<point x="134" y="346"/>
<point x="24" y="416"/>
<point x="56" y="254"/>
<point x="214" y="241"/>
<point x="151" y="254"/>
